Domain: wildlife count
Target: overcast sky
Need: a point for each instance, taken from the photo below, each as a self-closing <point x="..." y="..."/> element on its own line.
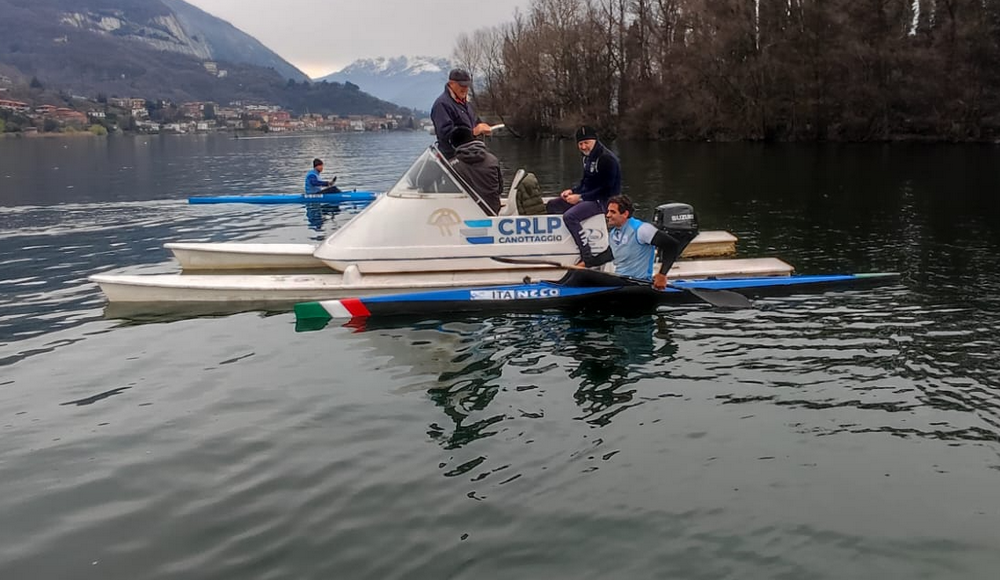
<point x="323" y="36"/>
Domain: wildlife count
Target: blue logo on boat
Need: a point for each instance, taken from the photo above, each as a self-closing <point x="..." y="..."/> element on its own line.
<point x="514" y="230"/>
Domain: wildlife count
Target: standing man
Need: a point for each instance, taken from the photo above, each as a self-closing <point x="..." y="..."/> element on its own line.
<point x="602" y="179"/>
<point x="634" y="243"/>
<point x="315" y="185"/>
<point x="452" y="109"/>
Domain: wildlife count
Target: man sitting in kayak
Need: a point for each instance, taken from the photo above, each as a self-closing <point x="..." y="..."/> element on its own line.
<point x="315" y="185"/>
<point x="634" y="243"/>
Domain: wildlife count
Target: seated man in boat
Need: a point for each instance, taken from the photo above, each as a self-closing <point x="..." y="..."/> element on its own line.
<point x="315" y="185"/>
<point x="602" y="179"/>
<point x="634" y="243"/>
<point x="479" y="168"/>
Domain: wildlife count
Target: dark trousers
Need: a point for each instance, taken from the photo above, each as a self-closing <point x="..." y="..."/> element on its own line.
<point x="331" y="189"/>
<point x="573" y="217"/>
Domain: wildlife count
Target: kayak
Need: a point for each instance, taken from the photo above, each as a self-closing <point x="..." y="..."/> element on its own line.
<point x="342" y="197"/>
<point x="581" y="289"/>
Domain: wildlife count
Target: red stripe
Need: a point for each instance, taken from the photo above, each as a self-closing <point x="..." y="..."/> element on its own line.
<point x="355" y="307"/>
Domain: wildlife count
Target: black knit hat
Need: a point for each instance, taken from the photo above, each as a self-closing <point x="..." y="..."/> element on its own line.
<point x="586" y="132"/>
<point x="317" y="162"/>
<point x="460" y="136"/>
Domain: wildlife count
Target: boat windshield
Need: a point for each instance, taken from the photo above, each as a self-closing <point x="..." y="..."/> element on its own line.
<point x="428" y="175"/>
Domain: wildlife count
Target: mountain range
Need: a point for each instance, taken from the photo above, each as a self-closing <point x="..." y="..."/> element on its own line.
<point x="157" y="49"/>
<point x="412" y="82"/>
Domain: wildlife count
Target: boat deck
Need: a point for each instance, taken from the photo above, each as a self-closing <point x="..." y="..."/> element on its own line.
<point x="250" y="256"/>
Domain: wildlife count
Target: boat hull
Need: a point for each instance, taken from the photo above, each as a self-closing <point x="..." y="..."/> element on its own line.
<point x="270" y="199"/>
<point x="232" y="288"/>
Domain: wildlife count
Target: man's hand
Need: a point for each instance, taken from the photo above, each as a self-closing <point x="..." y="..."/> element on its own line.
<point x="569" y="197"/>
<point x="481" y="129"/>
<point x="659" y="281"/>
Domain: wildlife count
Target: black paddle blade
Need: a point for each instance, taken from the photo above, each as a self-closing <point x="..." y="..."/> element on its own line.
<point x="721" y="298"/>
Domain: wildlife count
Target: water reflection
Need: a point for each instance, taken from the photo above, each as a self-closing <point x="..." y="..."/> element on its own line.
<point x="319" y="213"/>
<point x="466" y="364"/>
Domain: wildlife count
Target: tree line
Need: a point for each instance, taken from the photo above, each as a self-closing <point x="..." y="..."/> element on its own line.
<point x="782" y="70"/>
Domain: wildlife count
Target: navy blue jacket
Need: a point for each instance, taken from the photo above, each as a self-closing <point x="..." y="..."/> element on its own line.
<point x="447" y="113"/>
<point x="602" y="176"/>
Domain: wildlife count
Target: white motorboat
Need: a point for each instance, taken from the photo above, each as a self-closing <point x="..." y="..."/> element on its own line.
<point x="430" y="230"/>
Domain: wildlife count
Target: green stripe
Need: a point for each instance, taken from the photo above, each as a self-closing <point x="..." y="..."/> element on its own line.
<point x="311" y="311"/>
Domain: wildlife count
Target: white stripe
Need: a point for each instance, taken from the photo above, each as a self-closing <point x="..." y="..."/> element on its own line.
<point x="336" y="309"/>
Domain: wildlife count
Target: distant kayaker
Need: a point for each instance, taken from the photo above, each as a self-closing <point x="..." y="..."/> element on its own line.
<point x="453" y="109"/>
<point x="634" y="243"/>
<point x="602" y="179"/>
<point x="315" y="185"/>
<point x="477" y="166"/>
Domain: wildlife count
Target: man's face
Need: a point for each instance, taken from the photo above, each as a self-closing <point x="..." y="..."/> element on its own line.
<point x="319" y="168"/>
<point x="460" y="91"/>
<point x="586" y="146"/>
<point x="616" y="219"/>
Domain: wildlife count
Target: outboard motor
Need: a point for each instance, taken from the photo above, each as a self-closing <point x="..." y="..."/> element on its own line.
<point x="678" y="221"/>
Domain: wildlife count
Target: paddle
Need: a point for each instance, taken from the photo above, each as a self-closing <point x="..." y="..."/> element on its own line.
<point x="717" y="298"/>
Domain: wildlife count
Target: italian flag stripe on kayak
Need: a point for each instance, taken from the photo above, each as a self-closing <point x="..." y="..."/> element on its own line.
<point x="327" y="309"/>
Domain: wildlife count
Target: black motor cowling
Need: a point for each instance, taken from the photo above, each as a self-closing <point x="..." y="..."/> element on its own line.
<point x="678" y="221"/>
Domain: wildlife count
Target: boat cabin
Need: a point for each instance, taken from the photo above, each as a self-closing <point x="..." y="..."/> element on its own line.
<point x="431" y="221"/>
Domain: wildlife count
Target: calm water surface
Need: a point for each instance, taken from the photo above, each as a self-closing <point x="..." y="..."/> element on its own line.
<point x="852" y="435"/>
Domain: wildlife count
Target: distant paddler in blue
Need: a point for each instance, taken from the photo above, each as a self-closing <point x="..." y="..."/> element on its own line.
<point x="453" y="109"/>
<point x="315" y="185"/>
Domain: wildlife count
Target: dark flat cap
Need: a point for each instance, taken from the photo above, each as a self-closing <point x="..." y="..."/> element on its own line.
<point x="460" y="76"/>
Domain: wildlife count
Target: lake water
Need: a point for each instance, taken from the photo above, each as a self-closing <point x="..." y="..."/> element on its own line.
<point x="850" y="435"/>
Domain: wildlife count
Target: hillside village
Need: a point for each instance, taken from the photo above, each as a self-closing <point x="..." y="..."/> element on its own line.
<point x="36" y="111"/>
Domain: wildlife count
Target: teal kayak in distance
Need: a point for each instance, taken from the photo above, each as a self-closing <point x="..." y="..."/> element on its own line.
<point x="342" y="197"/>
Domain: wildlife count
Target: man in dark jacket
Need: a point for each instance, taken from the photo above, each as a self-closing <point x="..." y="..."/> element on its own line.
<point x="452" y="109"/>
<point x="602" y="179"/>
<point x="477" y="167"/>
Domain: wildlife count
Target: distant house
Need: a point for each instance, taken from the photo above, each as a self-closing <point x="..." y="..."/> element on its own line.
<point x="96" y="114"/>
<point x="16" y="106"/>
<point x="211" y="67"/>
<point x="45" y="109"/>
<point x="5" y="80"/>
<point x="69" y="116"/>
<point x="194" y="110"/>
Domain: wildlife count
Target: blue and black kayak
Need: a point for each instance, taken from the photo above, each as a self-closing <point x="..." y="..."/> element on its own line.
<point x="584" y="289"/>
<point x="328" y="198"/>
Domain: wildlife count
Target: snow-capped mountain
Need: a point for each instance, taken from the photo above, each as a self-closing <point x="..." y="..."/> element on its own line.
<point x="412" y="82"/>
